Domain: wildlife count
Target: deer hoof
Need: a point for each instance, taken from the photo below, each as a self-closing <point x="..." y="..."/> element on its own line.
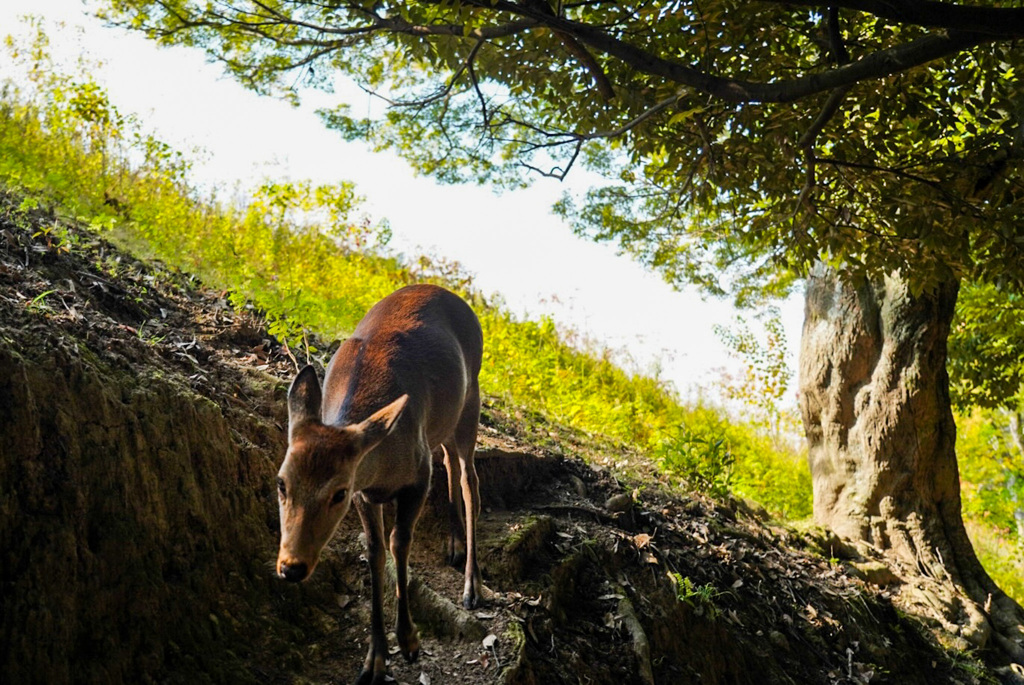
<point x="375" y="674"/>
<point x="455" y="554"/>
<point x="370" y="678"/>
<point x="410" y="647"/>
<point x="472" y="592"/>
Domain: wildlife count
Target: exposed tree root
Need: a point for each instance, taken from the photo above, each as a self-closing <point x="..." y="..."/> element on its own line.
<point x="641" y="646"/>
<point x="518" y="671"/>
<point x="436" y="613"/>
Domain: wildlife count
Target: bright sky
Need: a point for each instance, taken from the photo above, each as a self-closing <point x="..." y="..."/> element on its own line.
<point x="511" y="243"/>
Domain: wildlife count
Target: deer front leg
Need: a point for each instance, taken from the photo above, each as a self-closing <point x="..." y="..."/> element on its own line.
<point x="472" y="591"/>
<point x="408" y="504"/>
<point x="375" y="665"/>
<point x="465" y="444"/>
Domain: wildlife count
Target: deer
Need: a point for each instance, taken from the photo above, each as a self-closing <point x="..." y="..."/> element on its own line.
<point x="400" y="393"/>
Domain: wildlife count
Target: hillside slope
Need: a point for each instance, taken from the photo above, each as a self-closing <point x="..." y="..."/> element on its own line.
<point x="142" y="421"/>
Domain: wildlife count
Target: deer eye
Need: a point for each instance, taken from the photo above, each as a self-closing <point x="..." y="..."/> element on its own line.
<point x="339" y="496"/>
<point x="281" y="488"/>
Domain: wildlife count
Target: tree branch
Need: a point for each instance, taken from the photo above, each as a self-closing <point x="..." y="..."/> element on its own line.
<point x="806" y="142"/>
<point x="952" y="198"/>
<point x="557" y="172"/>
<point x="878" y="64"/>
<point x="442" y="92"/>
<point x="604" y="86"/>
<point x="485" y="113"/>
<point x="1004" y="22"/>
<point x="396" y="25"/>
<point x="837" y="48"/>
<point x="529" y="16"/>
<point x="573" y="47"/>
<point x="635" y="121"/>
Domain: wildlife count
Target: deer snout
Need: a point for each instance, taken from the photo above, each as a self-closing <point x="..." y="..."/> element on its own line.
<point x="293" y="573"/>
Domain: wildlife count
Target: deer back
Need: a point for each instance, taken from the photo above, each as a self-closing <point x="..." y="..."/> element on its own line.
<point x="421" y="341"/>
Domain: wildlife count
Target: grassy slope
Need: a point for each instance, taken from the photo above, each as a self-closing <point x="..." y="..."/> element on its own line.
<point x="302" y="255"/>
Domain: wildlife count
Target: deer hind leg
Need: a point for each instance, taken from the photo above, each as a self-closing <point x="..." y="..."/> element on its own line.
<point x="408" y="504"/>
<point x="455" y="554"/>
<point x="375" y="665"/>
<point x="465" y="445"/>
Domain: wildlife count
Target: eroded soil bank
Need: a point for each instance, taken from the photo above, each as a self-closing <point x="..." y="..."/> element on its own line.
<point x="141" y="424"/>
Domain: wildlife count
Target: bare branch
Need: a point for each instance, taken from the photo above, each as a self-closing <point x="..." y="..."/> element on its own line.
<point x="485" y="113"/>
<point x="636" y="121"/>
<point x="557" y="172"/>
<point x="442" y="92"/>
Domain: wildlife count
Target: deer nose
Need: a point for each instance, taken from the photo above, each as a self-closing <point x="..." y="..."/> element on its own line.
<point x="294" y="572"/>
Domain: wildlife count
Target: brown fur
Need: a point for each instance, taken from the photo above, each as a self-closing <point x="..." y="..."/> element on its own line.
<point x="402" y="388"/>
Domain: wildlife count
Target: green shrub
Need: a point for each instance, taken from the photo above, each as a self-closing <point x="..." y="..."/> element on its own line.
<point x="705" y="462"/>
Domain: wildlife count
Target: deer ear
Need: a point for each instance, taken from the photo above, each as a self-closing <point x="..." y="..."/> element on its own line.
<point x="379" y="426"/>
<point x="304" y="397"/>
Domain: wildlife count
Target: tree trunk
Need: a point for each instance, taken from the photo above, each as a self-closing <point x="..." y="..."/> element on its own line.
<point x="874" y="396"/>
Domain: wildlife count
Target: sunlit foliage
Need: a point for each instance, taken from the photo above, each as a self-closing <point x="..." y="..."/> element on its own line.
<point x="765" y="373"/>
<point x="740" y="142"/>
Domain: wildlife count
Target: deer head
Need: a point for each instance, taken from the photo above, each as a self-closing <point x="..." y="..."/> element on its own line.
<point x="316" y="480"/>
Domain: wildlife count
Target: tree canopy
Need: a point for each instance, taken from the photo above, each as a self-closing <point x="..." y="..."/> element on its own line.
<point x="741" y="141"/>
<point x="986" y="349"/>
